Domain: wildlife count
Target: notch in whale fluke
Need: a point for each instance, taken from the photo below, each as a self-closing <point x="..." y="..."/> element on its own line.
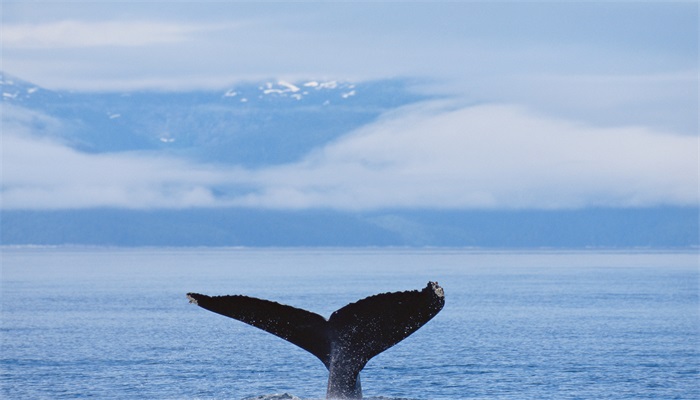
<point x="348" y="339"/>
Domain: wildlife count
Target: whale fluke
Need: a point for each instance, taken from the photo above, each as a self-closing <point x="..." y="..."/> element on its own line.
<point x="348" y="339"/>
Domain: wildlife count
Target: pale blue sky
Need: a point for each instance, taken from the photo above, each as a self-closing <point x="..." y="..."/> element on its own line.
<point x="620" y="79"/>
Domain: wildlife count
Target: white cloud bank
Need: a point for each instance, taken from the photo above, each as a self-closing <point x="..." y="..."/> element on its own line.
<point x="487" y="157"/>
<point x="39" y="174"/>
<point x="425" y="156"/>
<point x="84" y="34"/>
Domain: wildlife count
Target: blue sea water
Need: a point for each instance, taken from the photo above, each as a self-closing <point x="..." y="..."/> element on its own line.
<point x="115" y="323"/>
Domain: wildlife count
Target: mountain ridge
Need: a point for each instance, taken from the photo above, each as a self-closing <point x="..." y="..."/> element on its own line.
<point x="664" y="227"/>
<point x="249" y="124"/>
<point x="280" y="124"/>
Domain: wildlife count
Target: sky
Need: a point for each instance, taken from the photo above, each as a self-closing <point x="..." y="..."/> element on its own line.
<point x="551" y="104"/>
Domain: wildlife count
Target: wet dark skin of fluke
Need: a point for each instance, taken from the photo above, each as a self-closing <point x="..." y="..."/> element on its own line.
<point x="348" y="339"/>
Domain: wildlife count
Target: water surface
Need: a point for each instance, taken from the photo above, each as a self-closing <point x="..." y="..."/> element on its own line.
<point x="115" y="323"/>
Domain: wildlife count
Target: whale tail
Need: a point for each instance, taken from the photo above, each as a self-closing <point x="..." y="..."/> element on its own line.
<point x="348" y="339"/>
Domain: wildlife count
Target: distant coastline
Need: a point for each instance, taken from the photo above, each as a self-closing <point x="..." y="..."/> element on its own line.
<point x="646" y="228"/>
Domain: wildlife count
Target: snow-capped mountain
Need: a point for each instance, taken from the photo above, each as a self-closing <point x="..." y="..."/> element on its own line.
<point x="264" y="123"/>
<point x="248" y="124"/>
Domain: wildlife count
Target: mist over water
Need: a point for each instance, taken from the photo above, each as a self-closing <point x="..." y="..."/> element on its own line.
<point x="115" y="323"/>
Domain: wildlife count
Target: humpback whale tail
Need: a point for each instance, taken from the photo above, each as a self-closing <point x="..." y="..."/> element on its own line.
<point x="348" y="339"/>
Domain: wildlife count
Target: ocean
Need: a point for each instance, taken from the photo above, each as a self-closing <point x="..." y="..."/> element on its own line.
<point x="114" y="323"/>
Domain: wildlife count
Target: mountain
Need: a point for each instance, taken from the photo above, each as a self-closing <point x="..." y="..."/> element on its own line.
<point x="260" y="124"/>
<point x="249" y="124"/>
<point x="599" y="228"/>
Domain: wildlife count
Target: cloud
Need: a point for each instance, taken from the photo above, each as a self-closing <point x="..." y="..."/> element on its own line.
<point x="432" y="155"/>
<point x="491" y="156"/>
<point x="41" y="174"/>
<point x="665" y="101"/>
<point x="82" y="34"/>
